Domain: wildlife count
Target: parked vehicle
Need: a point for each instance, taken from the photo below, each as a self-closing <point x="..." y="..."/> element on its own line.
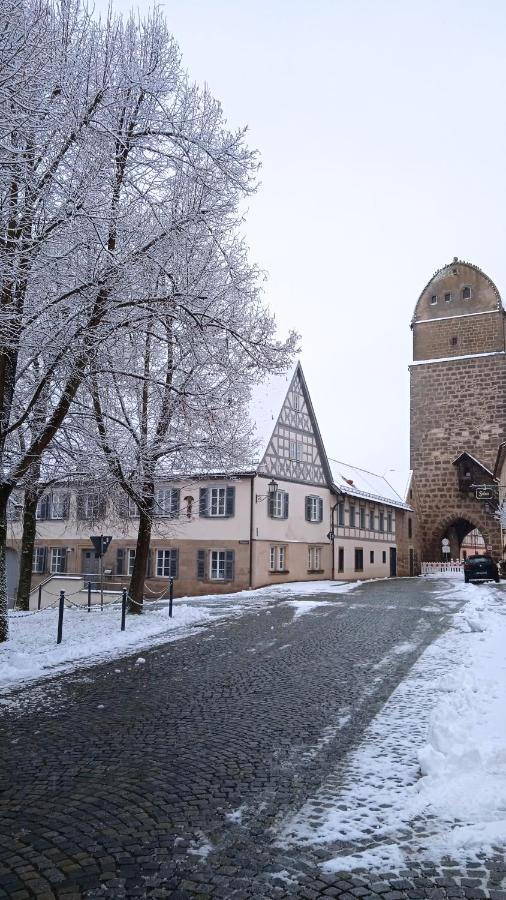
<point x="481" y="568"/>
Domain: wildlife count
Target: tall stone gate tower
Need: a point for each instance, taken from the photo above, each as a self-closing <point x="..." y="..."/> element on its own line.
<point x="458" y="406"/>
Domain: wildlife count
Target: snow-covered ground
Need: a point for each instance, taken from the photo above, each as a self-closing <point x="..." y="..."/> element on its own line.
<point x="429" y="779"/>
<point x="31" y="651"/>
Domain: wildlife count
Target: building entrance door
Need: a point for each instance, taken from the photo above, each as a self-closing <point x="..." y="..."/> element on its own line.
<point x="90" y="562"/>
<point x="411" y="561"/>
<point x="393" y="562"/>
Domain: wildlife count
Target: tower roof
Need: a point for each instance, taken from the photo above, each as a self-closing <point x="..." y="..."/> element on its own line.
<point x="451" y="279"/>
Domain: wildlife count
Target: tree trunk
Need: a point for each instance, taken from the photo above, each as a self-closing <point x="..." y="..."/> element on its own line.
<point x="4" y="620"/>
<point x="136" y="587"/>
<point x="27" y="545"/>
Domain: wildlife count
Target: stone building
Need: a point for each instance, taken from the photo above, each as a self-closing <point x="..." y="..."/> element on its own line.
<point x="458" y="407"/>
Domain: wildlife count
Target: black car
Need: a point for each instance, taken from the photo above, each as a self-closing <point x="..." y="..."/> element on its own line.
<point x="480" y="568"/>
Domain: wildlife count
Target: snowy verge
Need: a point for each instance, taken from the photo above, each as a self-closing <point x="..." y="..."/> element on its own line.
<point x="31" y="651"/>
<point x="429" y="778"/>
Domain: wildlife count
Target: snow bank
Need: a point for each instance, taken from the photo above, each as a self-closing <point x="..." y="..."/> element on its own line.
<point x="429" y="779"/>
<point x="31" y="651"/>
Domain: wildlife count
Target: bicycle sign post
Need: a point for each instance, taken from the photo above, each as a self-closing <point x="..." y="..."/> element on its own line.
<point x="445" y="547"/>
<point x="101" y="543"/>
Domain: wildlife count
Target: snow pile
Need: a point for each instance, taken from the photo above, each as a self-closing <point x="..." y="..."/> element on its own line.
<point x="31" y="651"/>
<point x="429" y="779"/>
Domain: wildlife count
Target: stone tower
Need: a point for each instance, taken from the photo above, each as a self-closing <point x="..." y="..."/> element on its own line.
<point x="458" y="406"/>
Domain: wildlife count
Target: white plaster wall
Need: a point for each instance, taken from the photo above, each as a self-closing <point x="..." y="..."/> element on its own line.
<point x="295" y="528"/>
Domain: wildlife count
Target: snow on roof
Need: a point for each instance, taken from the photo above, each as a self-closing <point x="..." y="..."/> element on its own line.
<point x="266" y="401"/>
<point x="361" y="483"/>
<point x="477" y="461"/>
<point x="440" y="359"/>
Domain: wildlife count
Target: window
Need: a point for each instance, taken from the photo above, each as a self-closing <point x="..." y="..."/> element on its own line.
<point x="448" y="297"/>
<point x="89" y="506"/>
<point x="221" y="565"/>
<point x="167" y="502"/>
<point x="14" y="507"/>
<point x="371" y="519"/>
<point x="454" y="341"/>
<point x="384" y="556"/>
<point x="131" y="560"/>
<point x="433" y="300"/>
<point x="277" y="559"/>
<point x="362" y="516"/>
<point x="314" y="509"/>
<point x="389" y="522"/>
<point x="39" y="560"/>
<point x="314" y="559"/>
<point x="217" y="502"/>
<point x="58" y="506"/>
<point x="352" y="515"/>
<point x="278" y="505"/>
<point x="410" y="528"/>
<point x="131" y="508"/>
<point x="466" y="293"/>
<point x="359" y="559"/>
<point x="381" y="520"/>
<point x="340" y="559"/>
<point x="340" y="514"/>
<point x="371" y="556"/>
<point x="58" y="560"/>
<point x="295" y="450"/>
<point x="167" y="563"/>
<point x="296" y="402"/>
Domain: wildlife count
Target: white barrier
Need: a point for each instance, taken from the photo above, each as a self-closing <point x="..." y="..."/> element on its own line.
<point x="454" y="566"/>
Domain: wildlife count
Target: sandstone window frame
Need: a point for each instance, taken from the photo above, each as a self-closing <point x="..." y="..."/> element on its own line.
<point x="277" y="558"/>
<point x="384" y="556"/>
<point x="433" y="300"/>
<point x="467" y="292"/>
<point x="314" y="559"/>
<point x="359" y="559"/>
<point x="448" y="296"/>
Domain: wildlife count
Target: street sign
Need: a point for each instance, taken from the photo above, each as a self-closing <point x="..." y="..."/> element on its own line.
<point x="445" y="543"/>
<point x="100" y="543"/>
<point x="331" y="536"/>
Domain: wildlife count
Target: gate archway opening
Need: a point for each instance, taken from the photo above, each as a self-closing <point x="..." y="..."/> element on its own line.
<point x="462" y="538"/>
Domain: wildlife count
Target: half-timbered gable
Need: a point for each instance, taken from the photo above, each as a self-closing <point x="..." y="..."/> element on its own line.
<point x="295" y="449"/>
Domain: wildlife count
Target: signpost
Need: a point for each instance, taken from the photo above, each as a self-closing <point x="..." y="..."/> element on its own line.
<point x="445" y="546"/>
<point x="101" y="543"/>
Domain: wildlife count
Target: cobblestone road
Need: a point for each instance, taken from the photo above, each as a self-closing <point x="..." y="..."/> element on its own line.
<point x="168" y="778"/>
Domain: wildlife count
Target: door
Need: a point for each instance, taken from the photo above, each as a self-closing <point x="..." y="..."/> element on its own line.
<point x="393" y="562"/>
<point x="90" y="562"/>
<point x="411" y="561"/>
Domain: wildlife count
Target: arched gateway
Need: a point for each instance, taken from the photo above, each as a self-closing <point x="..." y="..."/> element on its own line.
<point x="458" y="407"/>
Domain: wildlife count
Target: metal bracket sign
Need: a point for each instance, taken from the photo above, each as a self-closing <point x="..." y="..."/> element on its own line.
<point x="484" y="493"/>
<point x="100" y="543"/>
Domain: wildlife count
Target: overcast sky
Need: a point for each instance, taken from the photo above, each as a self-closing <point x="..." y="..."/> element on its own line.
<point x="381" y="128"/>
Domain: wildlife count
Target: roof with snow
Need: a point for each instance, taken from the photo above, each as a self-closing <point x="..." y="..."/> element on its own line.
<point x="361" y="483"/>
<point x="267" y="398"/>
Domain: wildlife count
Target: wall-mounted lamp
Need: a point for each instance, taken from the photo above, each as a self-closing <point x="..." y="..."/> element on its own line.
<point x="272" y="488"/>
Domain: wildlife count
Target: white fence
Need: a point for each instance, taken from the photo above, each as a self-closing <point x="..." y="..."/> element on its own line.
<point x="454" y="566"/>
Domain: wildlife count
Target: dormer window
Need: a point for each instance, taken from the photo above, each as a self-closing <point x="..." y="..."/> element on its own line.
<point x="448" y="297"/>
<point x="433" y="300"/>
<point x="466" y="293"/>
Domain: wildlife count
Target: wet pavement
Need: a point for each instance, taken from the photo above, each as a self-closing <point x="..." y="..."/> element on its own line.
<point x="174" y="777"/>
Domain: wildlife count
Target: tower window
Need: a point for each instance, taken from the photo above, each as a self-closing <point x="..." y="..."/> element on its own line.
<point x="448" y="297"/>
<point x="466" y="293"/>
<point x="454" y="341"/>
<point x="433" y="300"/>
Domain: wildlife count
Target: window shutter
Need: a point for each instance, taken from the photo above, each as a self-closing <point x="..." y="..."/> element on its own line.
<point x="65" y="556"/>
<point x="308" y="509"/>
<point x="203" y="502"/>
<point x="174" y="563"/>
<point x="229" y="565"/>
<point x="80" y="506"/>
<point x="44" y="560"/>
<point x="44" y="507"/>
<point x="270" y="505"/>
<point x="230" y="501"/>
<point x="285" y="505"/>
<point x="120" y="561"/>
<point x="66" y="506"/>
<point x="175" y="495"/>
<point x="320" y="509"/>
<point x="201" y="564"/>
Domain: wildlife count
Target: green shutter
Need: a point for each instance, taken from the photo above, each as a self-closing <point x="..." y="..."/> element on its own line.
<point x="285" y="505"/>
<point x="229" y="565"/>
<point x="203" y="502"/>
<point x="230" y="501"/>
<point x="201" y="564"/>
<point x="308" y="509"/>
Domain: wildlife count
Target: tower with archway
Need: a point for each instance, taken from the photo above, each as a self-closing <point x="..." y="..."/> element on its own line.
<point x="458" y="407"/>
